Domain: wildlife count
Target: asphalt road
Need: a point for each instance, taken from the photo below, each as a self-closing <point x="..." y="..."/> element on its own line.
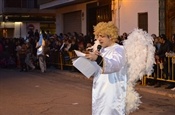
<point x="59" y="92"/>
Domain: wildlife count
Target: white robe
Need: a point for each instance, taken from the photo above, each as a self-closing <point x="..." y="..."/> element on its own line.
<point x="109" y="83"/>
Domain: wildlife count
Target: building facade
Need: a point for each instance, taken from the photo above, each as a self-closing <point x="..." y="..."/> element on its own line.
<point x="79" y="15"/>
<point x="154" y="16"/>
<point x="17" y="17"/>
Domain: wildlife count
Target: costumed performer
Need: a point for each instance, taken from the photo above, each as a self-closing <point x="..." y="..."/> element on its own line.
<point x="120" y="67"/>
<point x="110" y="81"/>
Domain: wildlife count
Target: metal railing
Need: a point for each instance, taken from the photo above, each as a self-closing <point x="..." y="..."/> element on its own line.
<point x="63" y="59"/>
<point x="163" y="72"/>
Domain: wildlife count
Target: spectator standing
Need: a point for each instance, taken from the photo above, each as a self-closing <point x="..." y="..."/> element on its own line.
<point x="171" y="85"/>
<point x="161" y="57"/>
<point x="40" y="45"/>
<point x="29" y="57"/>
<point x="22" y="56"/>
<point x="36" y="34"/>
<point x="173" y="43"/>
<point x="1" y="47"/>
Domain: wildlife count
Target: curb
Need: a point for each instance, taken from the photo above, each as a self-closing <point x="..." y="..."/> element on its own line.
<point x="167" y="93"/>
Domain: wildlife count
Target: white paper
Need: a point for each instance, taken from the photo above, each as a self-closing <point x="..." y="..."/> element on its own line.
<point x="85" y="66"/>
<point x="79" y="54"/>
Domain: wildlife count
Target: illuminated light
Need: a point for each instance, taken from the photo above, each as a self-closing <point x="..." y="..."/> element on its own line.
<point x="18" y="23"/>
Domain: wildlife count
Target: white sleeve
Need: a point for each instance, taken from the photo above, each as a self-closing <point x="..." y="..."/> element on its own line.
<point x="115" y="62"/>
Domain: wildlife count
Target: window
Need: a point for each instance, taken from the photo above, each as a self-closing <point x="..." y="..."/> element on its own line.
<point x="143" y="21"/>
<point x="21" y="3"/>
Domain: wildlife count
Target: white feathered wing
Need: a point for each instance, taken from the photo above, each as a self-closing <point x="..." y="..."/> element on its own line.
<point x="140" y="59"/>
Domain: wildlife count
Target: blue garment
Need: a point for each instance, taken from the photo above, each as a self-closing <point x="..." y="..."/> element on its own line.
<point x="40" y="40"/>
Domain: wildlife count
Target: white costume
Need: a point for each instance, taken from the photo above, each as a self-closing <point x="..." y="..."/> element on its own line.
<point x="109" y="84"/>
<point x="139" y="51"/>
<point x="113" y="90"/>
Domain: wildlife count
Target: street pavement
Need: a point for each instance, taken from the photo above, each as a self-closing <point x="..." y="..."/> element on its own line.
<point x="58" y="92"/>
<point x="150" y="89"/>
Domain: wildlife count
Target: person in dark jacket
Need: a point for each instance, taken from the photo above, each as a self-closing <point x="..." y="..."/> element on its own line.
<point x="161" y="56"/>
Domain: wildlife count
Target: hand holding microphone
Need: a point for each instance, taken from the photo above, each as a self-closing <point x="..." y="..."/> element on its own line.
<point x="97" y="52"/>
<point x="94" y="56"/>
<point x="98" y="47"/>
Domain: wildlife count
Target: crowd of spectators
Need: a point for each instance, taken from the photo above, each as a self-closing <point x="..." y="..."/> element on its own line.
<point x="163" y="45"/>
<point x="21" y="52"/>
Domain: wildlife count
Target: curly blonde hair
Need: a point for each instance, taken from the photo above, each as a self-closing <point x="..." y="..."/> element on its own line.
<point x="106" y="29"/>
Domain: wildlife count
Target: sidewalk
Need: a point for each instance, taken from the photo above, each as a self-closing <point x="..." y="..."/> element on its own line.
<point x="150" y="89"/>
<point x="159" y="91"/>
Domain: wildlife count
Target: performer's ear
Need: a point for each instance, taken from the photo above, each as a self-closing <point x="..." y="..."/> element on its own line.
<point x="109" y="37"/>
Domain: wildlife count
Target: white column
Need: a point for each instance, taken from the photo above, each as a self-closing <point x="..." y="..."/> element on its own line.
<point x="116" y="5"/>
<point x="17" y="29"/>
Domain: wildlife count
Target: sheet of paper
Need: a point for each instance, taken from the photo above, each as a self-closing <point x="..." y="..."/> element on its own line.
<point x="85" y="66"/>
<point x="79" y="54"/>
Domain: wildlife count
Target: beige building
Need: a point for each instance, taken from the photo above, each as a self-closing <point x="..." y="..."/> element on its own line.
<point x="18" y="16"/>
<point x="154" y="16"/>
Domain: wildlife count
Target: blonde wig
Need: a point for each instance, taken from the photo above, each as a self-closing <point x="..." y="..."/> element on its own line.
<point x="106" y="29"/>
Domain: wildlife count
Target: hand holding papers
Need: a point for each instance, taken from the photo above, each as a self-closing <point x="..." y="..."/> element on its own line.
<point x="85" y="66"/>
<point x="79" y="54"/>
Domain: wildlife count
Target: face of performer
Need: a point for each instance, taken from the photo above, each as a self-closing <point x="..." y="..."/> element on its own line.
<point x="104" y="40"/>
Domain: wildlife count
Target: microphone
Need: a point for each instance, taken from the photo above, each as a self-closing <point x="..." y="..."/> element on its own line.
<point x="98" y="47"/>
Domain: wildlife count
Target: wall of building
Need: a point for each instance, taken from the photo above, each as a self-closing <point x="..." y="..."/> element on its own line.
<point x="59" y="17"/>
<point x="125" y="18"/>
<point x="20" y="29"/>
<point x="1" y="8"/>
<point x="128" y="18"/>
